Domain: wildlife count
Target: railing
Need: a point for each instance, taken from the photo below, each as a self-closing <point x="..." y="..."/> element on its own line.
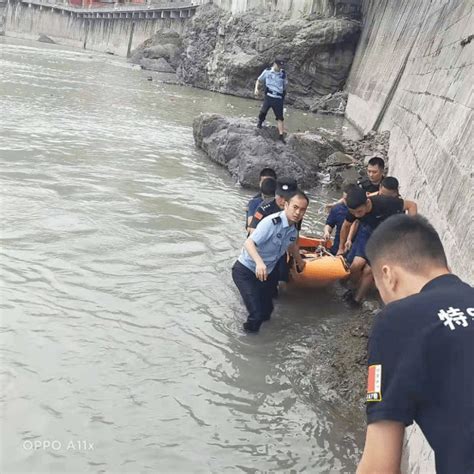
<point x="116" y="7"/>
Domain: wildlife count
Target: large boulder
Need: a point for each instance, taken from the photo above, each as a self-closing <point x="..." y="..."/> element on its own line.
<point x="45" y="39"/>
<point x="226" y="53"/>
<point x="165" y="47"/>
<point x="244" y="150"/>
<point x="157" y="65"/>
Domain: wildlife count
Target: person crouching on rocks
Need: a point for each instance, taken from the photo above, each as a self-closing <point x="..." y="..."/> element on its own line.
<point x="275" y="81"/>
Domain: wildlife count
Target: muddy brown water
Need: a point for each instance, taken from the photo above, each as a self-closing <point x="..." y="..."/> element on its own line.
<point x="120" y="325"/>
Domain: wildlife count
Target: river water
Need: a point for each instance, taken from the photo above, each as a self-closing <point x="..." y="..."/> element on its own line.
<point x="120" y="326"/>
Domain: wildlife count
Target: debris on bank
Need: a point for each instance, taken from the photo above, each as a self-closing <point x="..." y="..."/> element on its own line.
<point x="237" y="144"/>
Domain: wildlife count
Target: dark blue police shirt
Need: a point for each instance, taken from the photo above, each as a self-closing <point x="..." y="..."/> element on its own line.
<point x="335" y="219"/>
<point x="252" y="206"/>
<point x="421" y="368"/>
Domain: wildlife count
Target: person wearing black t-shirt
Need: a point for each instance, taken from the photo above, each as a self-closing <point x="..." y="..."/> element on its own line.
<point x="375" y="168"/>
<point x="421" y="351"/>
<point x="370" y="212"/>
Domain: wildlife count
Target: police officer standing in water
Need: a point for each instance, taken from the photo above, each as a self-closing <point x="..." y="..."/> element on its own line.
<point x="275" y="83"/>
<point x="256" y="271"/>
<point x="421" y="351"/>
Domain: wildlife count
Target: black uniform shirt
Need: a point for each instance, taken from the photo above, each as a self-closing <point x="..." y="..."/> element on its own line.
<point x="421" y="368"/>
<point x="382" y="208"/>
<point x="368" y="186"/>
<point x="264" y="210"/>
<point x="252" y="206"/>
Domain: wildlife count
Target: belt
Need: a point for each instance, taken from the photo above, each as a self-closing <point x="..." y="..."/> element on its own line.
<point x="273" y="93"/>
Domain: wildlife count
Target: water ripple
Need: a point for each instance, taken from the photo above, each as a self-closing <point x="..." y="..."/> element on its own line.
<point x="120" y="321"/>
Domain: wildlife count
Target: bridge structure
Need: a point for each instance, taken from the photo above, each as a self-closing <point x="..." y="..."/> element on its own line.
<point x="173" y="9"/>
<point x="105" y="27"/>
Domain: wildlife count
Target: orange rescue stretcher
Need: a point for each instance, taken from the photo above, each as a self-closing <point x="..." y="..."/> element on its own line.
<point x="322" y="268"/>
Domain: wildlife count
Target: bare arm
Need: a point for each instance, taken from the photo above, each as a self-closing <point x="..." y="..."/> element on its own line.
<point x="383" y="448"/>
<point x="261" y="268"/>
<point x="294" y="250"/>
<point x="410" y="207"/>
<point x="257" y="87"/>
<point x="328" y="207"/>
<point x="353" y="231"/>
<point x="343" y="236"/>
<point x="327" y="232"/>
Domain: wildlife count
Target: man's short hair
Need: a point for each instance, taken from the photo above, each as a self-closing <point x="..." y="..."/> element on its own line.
<point x="268" y="173"/>
<point x="390" y="183"/>
<point x="347" y="187"/>
<point x="409" y="241"/>
<point x="356" y="197"/>
<point x="268" y="187"/>
<point x="377" y="161"/>
<point x="299" y="194"/>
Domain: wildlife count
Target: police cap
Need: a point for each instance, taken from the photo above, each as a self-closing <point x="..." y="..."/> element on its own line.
<point x="279" y="62"/>
<point x="286" y="187"/>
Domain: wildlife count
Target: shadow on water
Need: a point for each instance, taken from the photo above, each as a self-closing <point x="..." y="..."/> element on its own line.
<point x="120" y="322"/>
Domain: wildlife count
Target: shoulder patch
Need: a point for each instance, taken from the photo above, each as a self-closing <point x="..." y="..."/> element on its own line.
<point x="374" y="384"/>
<point x="276" y="220"/>
<point x="258" y="215"/>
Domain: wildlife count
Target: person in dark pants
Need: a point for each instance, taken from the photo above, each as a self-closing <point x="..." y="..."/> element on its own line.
<point x="421" y="351"/>
<point x="369" y="211"/>
<point x="337" y="216"/>
<point x="256" y="272"/>
<point x="285" y="188"/>
<point x="275" y="81"/>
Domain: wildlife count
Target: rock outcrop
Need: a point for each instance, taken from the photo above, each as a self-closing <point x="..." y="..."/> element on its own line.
<point x="244" y="150"/>
<point x="161" y="53"/>
<point x="226" y="53"/>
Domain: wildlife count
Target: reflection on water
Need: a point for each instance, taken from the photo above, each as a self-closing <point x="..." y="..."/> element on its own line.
<point x="120" y="327"/>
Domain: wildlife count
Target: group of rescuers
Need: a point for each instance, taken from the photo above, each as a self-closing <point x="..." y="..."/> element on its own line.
<point x="421" y="348"/>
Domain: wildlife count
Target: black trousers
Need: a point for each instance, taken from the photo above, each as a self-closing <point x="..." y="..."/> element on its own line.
<point x="257" y="295"/>
<point x="271" y="103"/>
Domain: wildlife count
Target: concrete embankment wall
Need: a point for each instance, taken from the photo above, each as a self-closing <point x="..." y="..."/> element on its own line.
<point x="412" y="75"/>
<point x="103" y="35"/>
<point x="294" y="8"/>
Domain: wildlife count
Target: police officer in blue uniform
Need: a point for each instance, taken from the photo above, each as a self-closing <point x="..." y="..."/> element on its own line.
<point x="421" y="350"/>
<point x="285" y="188"/>
<point x="275" y="81"/>
<point x="256" y="272"/>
